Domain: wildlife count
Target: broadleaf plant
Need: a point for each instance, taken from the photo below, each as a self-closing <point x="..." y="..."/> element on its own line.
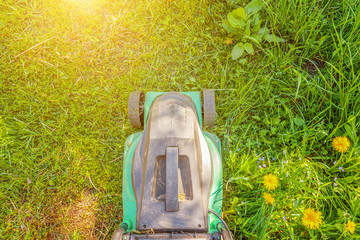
<point x="245" y="25"/>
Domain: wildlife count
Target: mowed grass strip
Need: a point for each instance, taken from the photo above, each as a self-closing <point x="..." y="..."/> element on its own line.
<point x="67" y="68"/>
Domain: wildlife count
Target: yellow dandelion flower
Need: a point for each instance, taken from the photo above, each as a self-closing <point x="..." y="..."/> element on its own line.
<point x="270" y="181"/>
<point x="341" y="144"/>
<point x="229" y="41"/>
<point x="350" y="226"/>
<point x="312" y="219"/>
<point x="268" y="198"/>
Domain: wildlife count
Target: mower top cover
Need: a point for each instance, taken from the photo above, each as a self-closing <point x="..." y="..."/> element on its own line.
<point x="172" y="176"/>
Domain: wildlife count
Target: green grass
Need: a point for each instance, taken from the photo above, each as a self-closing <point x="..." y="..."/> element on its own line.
<point x="67" y="68"/>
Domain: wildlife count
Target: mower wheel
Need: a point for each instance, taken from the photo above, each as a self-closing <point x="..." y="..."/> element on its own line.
<point x="136" y="109"/>
<point x="209" y="114"/>
<point x="117" y="235"/>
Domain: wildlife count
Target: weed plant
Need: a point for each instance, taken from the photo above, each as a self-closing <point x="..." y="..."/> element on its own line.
<point x="67" y="68"/>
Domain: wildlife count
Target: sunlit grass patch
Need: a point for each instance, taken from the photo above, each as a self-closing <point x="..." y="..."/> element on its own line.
<point x="79" y="217"/>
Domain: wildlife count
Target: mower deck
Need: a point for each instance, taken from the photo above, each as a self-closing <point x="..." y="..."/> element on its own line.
<point x="172" y="169"/>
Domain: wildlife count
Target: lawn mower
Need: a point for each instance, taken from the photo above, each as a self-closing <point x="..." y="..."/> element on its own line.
<point x="172" y="175"/>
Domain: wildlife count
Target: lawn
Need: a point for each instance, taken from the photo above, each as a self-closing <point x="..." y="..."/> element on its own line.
<point x="286" y="82"/>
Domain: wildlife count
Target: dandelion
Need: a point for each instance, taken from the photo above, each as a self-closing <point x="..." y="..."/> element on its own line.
<point x="228" y="41"/>
<point x="350" y="226"/>
<point x="312" y="219"/>
<point x="271" y="181"/>
<point x="341" y="144"/>
<point x="268" y="198"/>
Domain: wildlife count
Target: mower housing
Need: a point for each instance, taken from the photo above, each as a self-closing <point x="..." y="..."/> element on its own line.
<point x="172" y="173"/>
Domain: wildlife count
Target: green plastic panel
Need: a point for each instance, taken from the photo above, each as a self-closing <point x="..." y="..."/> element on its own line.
<point x="129" y="201"/>
<point x="195" y="96"/>
<point x="216" y="196"/>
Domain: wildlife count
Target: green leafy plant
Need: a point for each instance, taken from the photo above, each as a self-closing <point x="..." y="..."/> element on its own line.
<point x="245" y="25"/>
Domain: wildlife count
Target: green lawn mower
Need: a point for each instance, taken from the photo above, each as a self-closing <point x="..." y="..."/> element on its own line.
<point x="172" y="175"/>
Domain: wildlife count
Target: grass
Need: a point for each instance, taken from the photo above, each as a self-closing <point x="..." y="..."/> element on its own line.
<point x="67" y="68"/>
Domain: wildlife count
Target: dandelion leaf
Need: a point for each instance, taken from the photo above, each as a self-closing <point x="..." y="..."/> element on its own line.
<point x="254" y="6"/>
<point x="272" y="38"/>
<point x="249" y="48"/>
<point x="237" y="51"/>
